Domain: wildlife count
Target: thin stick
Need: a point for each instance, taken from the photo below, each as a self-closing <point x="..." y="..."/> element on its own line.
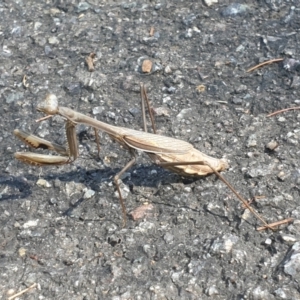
<point x="24" y="81"/>
<point x="22" y="292"/>
<point x="282" y="110"/>
<point x="90" y="62"/>
<point x="43" y="119"/>
<point x="285" y="221"/>
<point x="268" y="62"/>
<point x="151" y="31"/>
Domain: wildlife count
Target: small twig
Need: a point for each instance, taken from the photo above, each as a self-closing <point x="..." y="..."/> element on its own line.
<point x="151" y="31"/>
<point x="22" y="292"/>
<point x="255" y="198"/>
<point x="268" y="62"/>
<point x="43" y="119"/>
<point x="24" y="82"/>
<point x="282" y="110"/>
<point x="285" y="221"/>
<point x="36" y="258"/>
<point x="90" y="62"/>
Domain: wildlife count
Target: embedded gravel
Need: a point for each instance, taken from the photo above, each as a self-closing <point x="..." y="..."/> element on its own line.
<point x="61" y="226"/>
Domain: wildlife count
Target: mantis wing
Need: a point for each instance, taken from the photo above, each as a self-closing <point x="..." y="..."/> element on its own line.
<point x="155" y="143"/>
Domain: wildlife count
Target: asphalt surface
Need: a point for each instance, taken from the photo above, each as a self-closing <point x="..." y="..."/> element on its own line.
<point x="61" y="226"/>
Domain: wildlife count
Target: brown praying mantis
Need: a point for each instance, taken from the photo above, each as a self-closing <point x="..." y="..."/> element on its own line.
<point x="170" y="153"/>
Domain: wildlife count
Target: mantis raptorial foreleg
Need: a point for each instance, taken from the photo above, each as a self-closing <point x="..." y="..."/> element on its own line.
<point x="69" y="154"/>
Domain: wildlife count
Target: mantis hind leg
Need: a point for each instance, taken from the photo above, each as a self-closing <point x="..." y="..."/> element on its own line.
<point x="116" y="179"/>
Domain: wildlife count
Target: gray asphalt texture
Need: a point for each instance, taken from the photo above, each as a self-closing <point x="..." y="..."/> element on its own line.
<point x="61" y="226"/>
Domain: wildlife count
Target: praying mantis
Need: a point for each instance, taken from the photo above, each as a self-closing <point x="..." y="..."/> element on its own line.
<point x="170" y="153"/>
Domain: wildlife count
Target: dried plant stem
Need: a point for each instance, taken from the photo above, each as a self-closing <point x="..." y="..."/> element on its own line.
<point x="285" y="221"/>
<point x="268" y="62"/>
<point x="22" y="292"/>
<point x="90" y="62"/>
<point x="282" y="110"/>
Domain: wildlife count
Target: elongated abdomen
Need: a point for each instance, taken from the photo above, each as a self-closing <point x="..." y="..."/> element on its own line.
<point x="193" y="155"/>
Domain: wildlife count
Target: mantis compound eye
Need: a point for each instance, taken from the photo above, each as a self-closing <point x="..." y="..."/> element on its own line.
<point x="49" y="105"/>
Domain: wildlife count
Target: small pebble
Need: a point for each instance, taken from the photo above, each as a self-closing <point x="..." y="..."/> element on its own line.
<point x="98" y="110"/>
<point x="134" y="111"/>
<point x="240" y="48"/>
<point x="29" y="224"/>
<point x="246" y="215"/>
<point x="290" y="239"/>
<point x="73" y="188"/>
<point x="88" y="194"/>
<point x="187" y="189"/>
<point x="241" y="89"/>
<point x="235" y="9"/>
<point x="168" y="70"/>
<point x="37" y="25"/>
<point x="47" y="50"/>
<point x="161" y="111"/>
<point x="237" y="101"/>
<point x="283" y="176"/>
<point x="280" y="293"/>
<point x="10" y="292"/>
<point x="22" y="252"/>
<point x="54" y="12"/>
<point x="272" y="145"/>
<point x="210" y="2"/>
<point x="111" y="115"/>
<point x="142" y="211"/>
<point x="201" y="88"/>
<point x="43" y="183"/>
<point x="212" y="290"/>
<point x="259" y="294"/>
<point x="53" y="40"/>
<point x="291" y="64"/>
<point x="268" y="242"/>
<point x="82" y="6"/>
<point x="147" y="66"/>
<point x="292" y="265"/>
<point x="168" y="237"/>
<point x="157" y="67"/>
<point x="252" y="142"/>
<point x="184" y="113"/>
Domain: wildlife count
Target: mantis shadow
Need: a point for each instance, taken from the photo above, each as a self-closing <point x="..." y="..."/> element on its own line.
<point x="151" y="176"/>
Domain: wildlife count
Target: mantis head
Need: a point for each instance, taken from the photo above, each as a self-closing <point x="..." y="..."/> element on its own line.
<point x="49" y="106"/>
